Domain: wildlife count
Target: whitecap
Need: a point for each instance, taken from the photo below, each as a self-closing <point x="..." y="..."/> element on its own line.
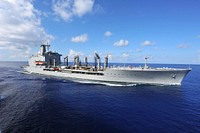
<point x="103" y="83"/>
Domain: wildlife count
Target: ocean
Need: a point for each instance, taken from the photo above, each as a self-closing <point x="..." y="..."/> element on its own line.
<point x="32" y="103"/>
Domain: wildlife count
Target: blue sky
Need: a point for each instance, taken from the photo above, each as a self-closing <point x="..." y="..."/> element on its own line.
<point x="167" y="31"/>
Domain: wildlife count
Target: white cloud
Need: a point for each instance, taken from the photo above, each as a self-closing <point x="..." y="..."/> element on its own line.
<point x="80" y="39"/>
<point x="110" y="56"/>
<point x="108" y="33"/>
<point x="147" y="43"/>
<point x="198" y="36"/>
<point x="125" y="55"/>
<point x="67" y="9"/>
<point x="73" y="53"/>
<point x="63" y="9"/>
<point x="138" y="50"/>
<point x="20" y="27"/>
<point x="81" y="7"/>
<point x="121" y="43"/>
<point x="182" y="46"/>
<point x="98" y="9"/>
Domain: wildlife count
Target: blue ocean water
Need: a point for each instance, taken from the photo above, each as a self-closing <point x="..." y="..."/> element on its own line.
<point x="36" y="103"/>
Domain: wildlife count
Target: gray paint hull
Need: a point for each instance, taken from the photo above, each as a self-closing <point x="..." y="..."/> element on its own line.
<point x="136" y="76"/>
<point x="164" y="77"/>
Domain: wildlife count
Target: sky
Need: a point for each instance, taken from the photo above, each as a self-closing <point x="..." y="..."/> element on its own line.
<point x="166" y="31"/>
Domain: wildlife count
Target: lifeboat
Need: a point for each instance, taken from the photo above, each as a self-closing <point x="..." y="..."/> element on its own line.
<point x="39" y="62"/>
<point x="56" y="69"/>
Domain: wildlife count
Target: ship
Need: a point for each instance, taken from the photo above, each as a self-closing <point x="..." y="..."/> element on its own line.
<point x="49" y="63"/>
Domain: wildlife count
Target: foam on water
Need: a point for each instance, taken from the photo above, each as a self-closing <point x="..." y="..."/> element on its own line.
<point x="10" y="70"/>
<point x="43" y="79"/>
<point x="103" y="83"/>
<point x="1" y="97"/>
<point x="6" y="93"/>
<point x="116" y="83"/>
<point x="24" y="72"/>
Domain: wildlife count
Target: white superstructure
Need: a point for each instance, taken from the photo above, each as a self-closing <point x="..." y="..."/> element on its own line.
<point x="48" y="63"/>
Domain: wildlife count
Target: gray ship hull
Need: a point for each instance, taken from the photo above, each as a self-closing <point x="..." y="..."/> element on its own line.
<point x="48" y="63"/>
<point x="149" y="76"/>
<point x="152" y="76"/>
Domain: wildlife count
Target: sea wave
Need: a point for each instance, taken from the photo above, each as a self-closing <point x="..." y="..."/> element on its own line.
<point x="24" y="72"/>
<point x="6" y="94"/>
<point x="103" y="83"/>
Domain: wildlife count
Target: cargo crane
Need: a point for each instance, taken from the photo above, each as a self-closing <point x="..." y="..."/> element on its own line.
<point x="106" y="62"/>
<point x="86" y="61"/>
<point x="97" y="61"/>
<point x="66" y="61"/>
<point x="76" y="60"/>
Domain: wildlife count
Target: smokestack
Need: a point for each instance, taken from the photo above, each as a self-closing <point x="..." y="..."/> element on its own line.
<point x="42" y="49"/>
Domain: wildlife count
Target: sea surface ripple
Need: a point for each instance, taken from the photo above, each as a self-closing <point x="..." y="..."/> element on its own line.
<point x="36" y="103"/>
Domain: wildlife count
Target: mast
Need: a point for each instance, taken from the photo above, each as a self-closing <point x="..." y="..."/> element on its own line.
<point x="145" y="65"/>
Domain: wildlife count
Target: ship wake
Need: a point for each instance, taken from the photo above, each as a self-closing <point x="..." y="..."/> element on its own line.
<point x="104" y="83"/>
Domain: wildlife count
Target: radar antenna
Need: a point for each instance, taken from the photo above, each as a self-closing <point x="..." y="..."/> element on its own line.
<point x="48" y="46"/>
